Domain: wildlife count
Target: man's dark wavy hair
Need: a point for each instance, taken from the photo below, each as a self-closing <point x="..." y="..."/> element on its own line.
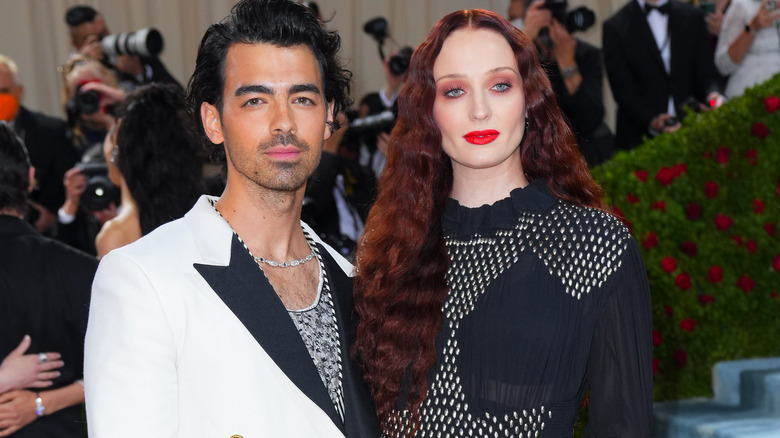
<point x="79" y="14"/>
<point x="282" y="23"/>
<point x="14" y="170"/>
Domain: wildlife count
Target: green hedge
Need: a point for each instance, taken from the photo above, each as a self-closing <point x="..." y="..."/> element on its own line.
<point x="704" y="205"/>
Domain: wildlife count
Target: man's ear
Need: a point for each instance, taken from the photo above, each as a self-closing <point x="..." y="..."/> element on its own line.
<point x="329" y="120"/>
<point x="212" y="123"/>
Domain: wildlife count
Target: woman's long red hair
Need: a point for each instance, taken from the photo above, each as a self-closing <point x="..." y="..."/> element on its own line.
<point x="402" y="259"/>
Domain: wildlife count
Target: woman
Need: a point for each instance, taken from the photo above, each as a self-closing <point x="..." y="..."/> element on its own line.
<point x="749" y="44"/>
<point x="154" y="159"/>
<point x="492" y="290"/>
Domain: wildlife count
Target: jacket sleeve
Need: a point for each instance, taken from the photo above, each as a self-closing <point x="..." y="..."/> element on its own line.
<point x="130" y="356"/>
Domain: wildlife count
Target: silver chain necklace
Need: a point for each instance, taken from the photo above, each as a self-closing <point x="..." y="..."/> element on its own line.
<point x="272" y="263"/>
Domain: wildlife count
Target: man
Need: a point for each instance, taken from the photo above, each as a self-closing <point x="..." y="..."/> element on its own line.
<point x="47" y="143"/>
<point x="44" y="298"/>
<point x="236" y="319"/>
<point x="87" y="28"/>
<point x="575" y="69"/>
<point x="658" y="59"/>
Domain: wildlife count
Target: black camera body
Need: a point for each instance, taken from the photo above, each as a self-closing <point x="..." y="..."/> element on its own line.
<point x="100" y="191"/>
<point x="579" y="19"/>
<point x="147" y="42"/>
<point x="84" y="102"/>
<point x="399" y="62"/>
<point x="381" y="122"/>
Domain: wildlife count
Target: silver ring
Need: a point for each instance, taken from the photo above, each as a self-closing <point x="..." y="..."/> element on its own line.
<point x="42" y="357"/>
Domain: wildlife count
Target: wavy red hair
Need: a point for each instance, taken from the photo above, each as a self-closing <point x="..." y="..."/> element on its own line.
<point x="402" y="259"/>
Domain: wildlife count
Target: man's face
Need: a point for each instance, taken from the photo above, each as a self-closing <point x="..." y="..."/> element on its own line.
<point x="89" y="32"/>
<point x="7" y="84"/>
<point x="274" y="114"/>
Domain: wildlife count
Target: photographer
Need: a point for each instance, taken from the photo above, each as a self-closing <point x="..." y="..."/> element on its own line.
<point x="87" y="30"/>
<point x="575" y="69"/>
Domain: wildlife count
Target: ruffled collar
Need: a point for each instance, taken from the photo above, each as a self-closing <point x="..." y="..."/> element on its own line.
<point x="460" y="221"/>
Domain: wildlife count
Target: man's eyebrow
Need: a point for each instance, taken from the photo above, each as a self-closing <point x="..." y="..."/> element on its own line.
<point x="248" y="89"/>
<point x="304" y="88"/>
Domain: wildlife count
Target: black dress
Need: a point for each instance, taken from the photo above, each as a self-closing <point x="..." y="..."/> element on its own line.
<point x="547" y="301"/>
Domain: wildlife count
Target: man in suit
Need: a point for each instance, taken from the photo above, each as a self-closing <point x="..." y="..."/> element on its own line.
<point x="658" y="59"/>
<point x="46" y="139"/>
<point x="236" y="320"/>
<point x="44" y="299"/>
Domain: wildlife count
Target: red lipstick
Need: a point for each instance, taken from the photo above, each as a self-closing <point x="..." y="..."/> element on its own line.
<point x="481" y="137"/>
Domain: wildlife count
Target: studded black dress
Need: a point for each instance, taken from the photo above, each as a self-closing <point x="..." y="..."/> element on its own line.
<point x="547" y="301"/>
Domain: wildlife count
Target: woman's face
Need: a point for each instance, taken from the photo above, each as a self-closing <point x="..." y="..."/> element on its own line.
<point x="480" y="104"/>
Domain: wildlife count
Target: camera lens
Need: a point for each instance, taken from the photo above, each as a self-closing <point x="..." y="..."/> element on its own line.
<point x="144" y="42"/>
<point x="88" y="102"/>
<point x="400" y="62"/>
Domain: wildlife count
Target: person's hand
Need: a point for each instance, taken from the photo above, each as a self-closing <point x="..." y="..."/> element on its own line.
<point x="17" y="410"/>
<point x="92" y="48"/>
<point x="660" y="124"/>
<point x="764" y="17"/>
<point x="107" y="214"/>
<point x="564" y="44"/>
<point x="536" y="18"/>
<point x="715" y="100"/>
<point x="714" y="21"/>
<point x="75" y="183"/>
<point x="382" y="142"/>
<point x="19" y="370"/>
<point x="108" y="95"/>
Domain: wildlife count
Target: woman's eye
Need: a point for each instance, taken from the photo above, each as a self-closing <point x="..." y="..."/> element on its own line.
<point x="503" y="86"/>
<point x="453" y="92"/>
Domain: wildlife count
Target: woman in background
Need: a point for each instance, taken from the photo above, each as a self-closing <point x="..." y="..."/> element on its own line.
<point x="493" y="291"/>
<point x="154" y="159"/>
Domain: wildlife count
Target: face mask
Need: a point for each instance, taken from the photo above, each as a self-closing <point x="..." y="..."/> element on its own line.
<point x="519" y="23"/>
<point x="9" y="106"/>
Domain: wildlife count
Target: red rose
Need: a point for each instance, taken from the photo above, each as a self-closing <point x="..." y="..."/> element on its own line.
<point x="683" y="281"/>
<point x="737" y="239"/>
<point x="693" y="211"/>
<point x="758" y="206"/>
<point x="668" y="264"/>
<point x="668" y="311"/>
<point x="650" y="241"/>
<point x="656" y="362"/>
<point x="774" y="294"/>
<point x="688" y="324"/>
<point x="658" y="339"/>
<point x="641" y="175"/>
<point x="680" y="357"/>
<point x="715" y="274"/>
<point x="751" y="246"/>
<point x="665" y="176"/>
<point x="722" y="222"/>
<point x="706" y="299"/>
<point x="752" y="156"/>
<point x="711" y="189"/>
<point x="722" y="155"/>
<point x="771" y="104"/>
<point x="777" y="189"/>
<point x="659" y="205"/>
<point x="689" y="248"/>
<point x="760" y="130"/>
<point x="770" y="229"/>
<point x="679" y="169"/>
<point x="776" y="263"/>
<point x="746" y="283"/>
<point x="632" y="198"/>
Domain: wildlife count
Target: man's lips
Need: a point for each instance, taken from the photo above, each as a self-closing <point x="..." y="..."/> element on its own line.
<point x="481" y="137"/>
<point x="284" y="152"/>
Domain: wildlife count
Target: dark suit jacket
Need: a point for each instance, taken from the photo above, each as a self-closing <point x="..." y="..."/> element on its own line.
<point x="636" y="71"/>
<point x="51" y="153"/>
<point x="44" y="292"/>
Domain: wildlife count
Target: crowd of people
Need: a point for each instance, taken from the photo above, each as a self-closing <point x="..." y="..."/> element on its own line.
<point x="180" y="261"/>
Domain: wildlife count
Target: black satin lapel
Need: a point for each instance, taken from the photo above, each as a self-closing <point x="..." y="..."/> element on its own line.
<point x="249" y="295"/>
<point x="360" y="415"/>
<point x="646" y="38"/>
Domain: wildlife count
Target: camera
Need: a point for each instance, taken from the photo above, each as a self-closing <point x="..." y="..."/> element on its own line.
<point x="377" y="28"/>
<point x="376" y="122"/>
<point x="400" y="62"/>
<point x="146" y="42"/>
<point x="84" y="102"/>
<point x="579" y="19"/>
<point x="100" y="191"/>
